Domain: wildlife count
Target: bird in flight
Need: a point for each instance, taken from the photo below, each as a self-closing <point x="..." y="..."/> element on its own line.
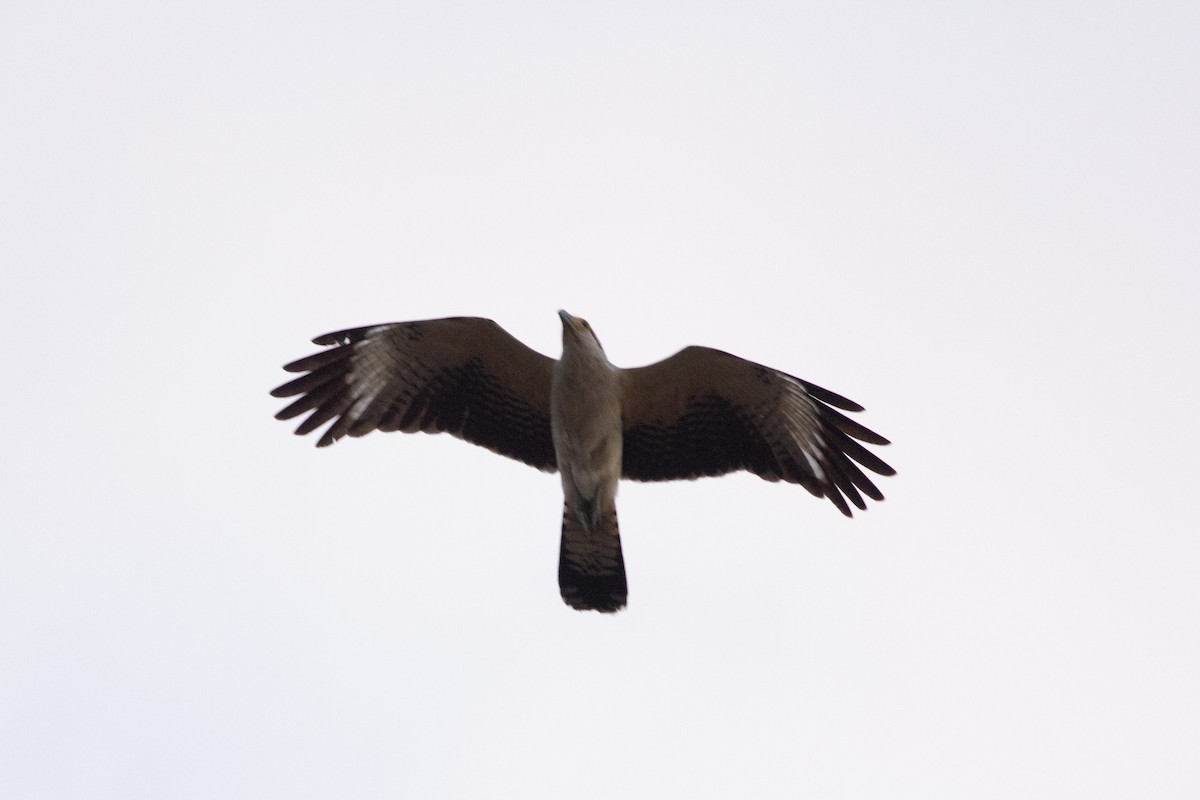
<point x="700" y="412"/>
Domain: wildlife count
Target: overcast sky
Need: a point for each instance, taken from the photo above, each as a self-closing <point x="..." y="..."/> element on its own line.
<point x="978" y="220"/>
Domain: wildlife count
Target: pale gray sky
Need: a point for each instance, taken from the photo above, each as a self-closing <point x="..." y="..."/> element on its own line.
<point x="979" y="222"/>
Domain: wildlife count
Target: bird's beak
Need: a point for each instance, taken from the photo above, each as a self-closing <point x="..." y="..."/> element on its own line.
<point x="572" y="324"/>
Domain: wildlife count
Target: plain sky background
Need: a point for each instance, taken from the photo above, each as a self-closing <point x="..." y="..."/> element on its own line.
<point x="978" y="220"/>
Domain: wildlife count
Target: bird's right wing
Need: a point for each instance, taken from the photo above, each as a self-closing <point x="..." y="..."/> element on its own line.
<point x="706" y="412"/>
<point x="465" y="376"/>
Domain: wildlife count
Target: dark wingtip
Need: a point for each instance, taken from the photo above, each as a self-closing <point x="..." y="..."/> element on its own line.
<point x="346" y="336"/>
<point x="836" y="498"/>
<point x="826" y="396"/>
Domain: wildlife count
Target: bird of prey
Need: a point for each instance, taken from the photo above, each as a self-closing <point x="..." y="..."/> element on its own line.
<point x="700" y="412"/>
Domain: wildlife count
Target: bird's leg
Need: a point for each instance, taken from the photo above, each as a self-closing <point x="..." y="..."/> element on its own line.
<point x="585" y="509"/>
<point x="589" y="510"/>
<point x="592" y="495"/>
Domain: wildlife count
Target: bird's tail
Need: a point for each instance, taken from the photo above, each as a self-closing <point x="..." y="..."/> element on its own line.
<point x="591" y="568"/>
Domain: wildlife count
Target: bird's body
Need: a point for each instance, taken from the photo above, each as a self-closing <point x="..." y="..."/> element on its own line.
<point x="585" y="425"/>
<point x="699" y="412"/>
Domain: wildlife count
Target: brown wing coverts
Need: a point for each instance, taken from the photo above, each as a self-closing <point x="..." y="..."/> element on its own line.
<point x="705" y="412"/>
<point x="465" y="376"/>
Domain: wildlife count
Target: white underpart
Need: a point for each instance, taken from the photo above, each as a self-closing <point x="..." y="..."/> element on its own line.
<point x="803" y="425"/>
<point x="585" y="425"/>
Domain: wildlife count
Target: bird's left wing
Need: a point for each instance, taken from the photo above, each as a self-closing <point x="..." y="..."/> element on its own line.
<point x="465" y="376"/>
<point x="706" y="412"/>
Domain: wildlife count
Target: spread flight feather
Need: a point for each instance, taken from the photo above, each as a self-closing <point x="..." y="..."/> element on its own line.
<point x="700" y="412"/>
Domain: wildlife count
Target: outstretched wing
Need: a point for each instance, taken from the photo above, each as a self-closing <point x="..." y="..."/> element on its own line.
<point x="465" y="376"/>
<point x="706" y="412"/>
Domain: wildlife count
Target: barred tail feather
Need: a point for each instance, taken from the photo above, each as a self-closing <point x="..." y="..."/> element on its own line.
<point x="591" y="567"/>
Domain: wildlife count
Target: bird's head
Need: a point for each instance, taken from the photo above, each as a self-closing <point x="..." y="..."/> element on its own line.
<point x="577" y="329"/>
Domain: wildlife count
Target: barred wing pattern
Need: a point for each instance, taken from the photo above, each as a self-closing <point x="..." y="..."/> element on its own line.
<point x="465" y="376"/>
<point x="706" y="412"/>
<point x="700" y="412"/>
